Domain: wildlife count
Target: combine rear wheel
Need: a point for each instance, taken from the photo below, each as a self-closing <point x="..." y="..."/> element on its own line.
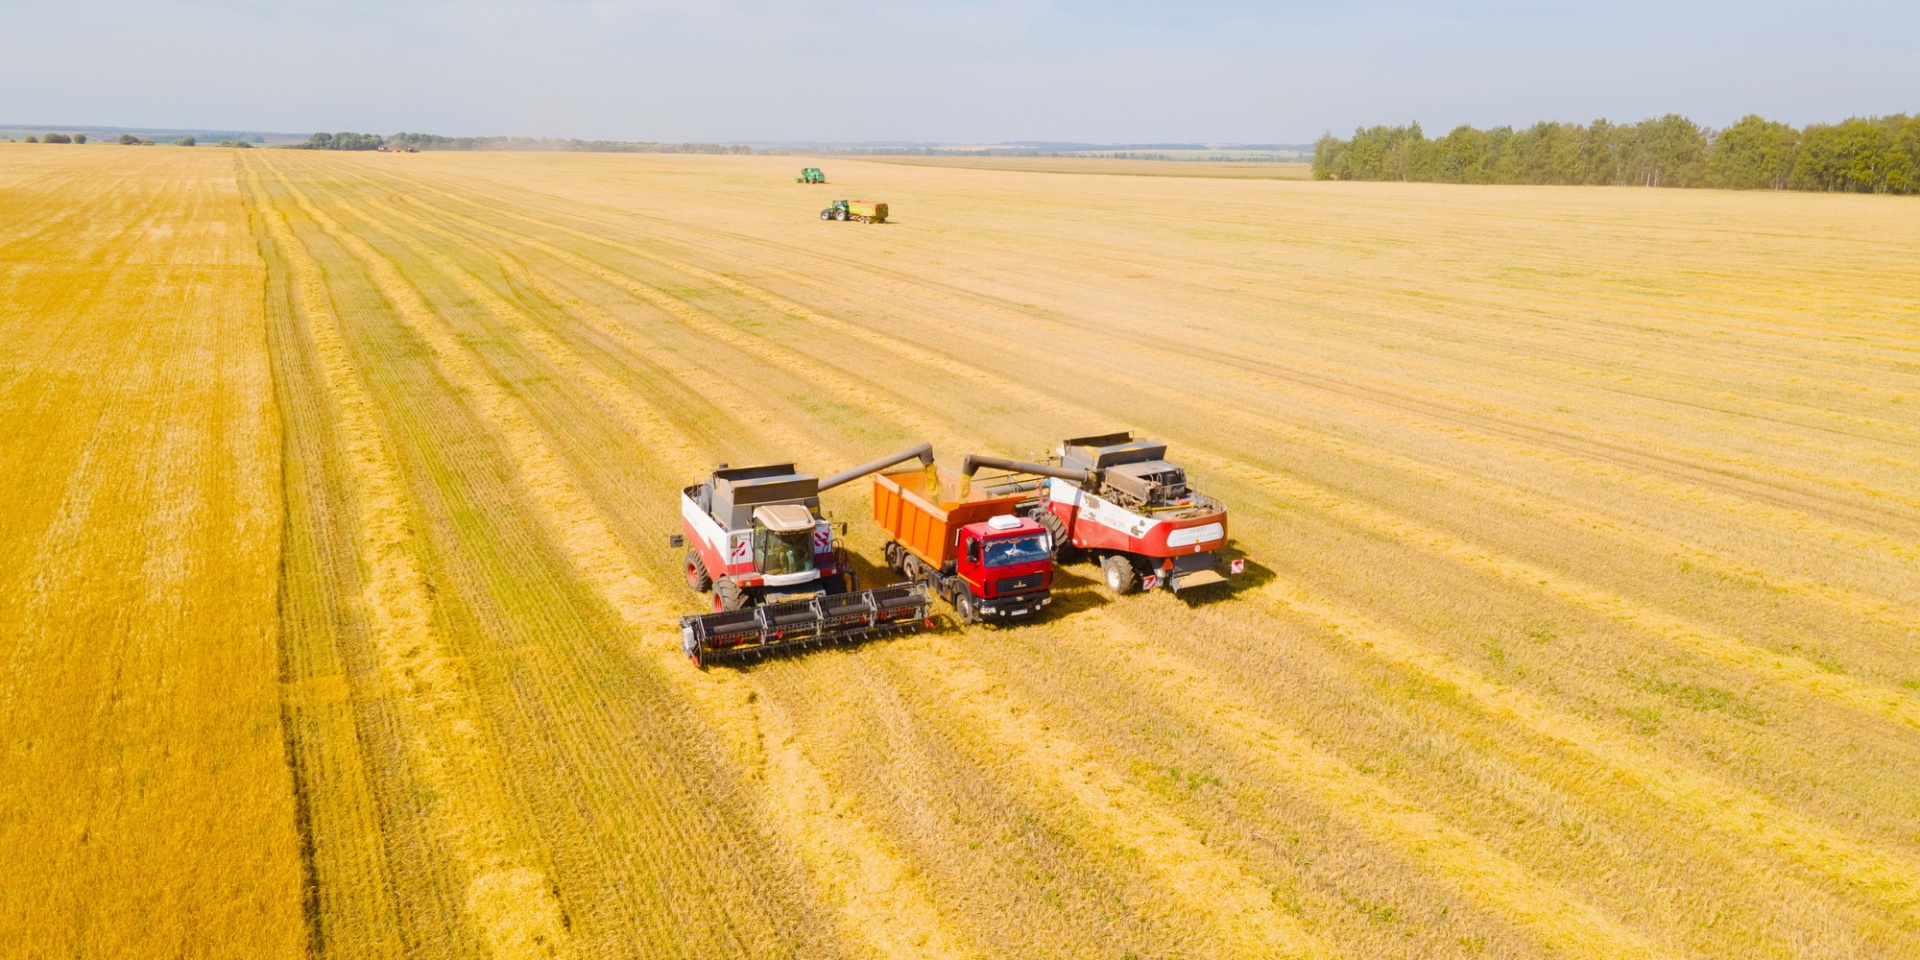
<point x="727" y="595"/>
<point x="696" y="570"/>
<point x="1121" y="577"/>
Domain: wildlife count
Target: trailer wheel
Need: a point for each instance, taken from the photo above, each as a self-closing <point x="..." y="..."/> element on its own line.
<point x="963" y="604"/>
<point x="696" y="570"/>
<point x="727" y="595"/>
<point x="1121" y="577"/>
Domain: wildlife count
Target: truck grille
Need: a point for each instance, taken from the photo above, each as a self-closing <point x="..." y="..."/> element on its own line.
<point x="1012" y="585"/>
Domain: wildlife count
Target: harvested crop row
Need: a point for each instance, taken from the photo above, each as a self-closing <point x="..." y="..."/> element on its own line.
<point x="146" y="807"/>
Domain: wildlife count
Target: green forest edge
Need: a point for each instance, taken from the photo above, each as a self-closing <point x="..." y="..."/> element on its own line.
<point x="1860" y="155"/>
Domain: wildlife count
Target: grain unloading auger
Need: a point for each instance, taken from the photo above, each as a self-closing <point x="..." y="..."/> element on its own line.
<point x="755" y="537"/>
<point x="1119" y="502"/>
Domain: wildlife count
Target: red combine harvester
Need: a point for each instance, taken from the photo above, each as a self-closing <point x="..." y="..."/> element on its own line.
<point x="1121" y="503"/>
<point x="755" y="537"/>
<point x="972" y="548"/>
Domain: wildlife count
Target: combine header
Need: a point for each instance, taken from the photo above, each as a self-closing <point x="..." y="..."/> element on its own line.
<point x="1121" y="503"/>
<point x="756" y="539"/>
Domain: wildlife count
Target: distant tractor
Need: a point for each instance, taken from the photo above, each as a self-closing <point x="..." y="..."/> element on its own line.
<point x="865" y="211"/>
<point x="810" y="175"/>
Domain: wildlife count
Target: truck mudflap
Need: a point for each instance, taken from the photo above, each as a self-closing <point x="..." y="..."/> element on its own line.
<point x="834" y="618"/>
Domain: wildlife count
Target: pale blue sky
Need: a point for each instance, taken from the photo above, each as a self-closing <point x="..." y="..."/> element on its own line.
<point x="957" y="71"/>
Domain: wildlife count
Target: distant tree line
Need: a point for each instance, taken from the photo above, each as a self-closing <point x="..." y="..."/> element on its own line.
<point x="341" y="141"/>
<point x="57" y="138"/>
<point x="1860" y="155"/>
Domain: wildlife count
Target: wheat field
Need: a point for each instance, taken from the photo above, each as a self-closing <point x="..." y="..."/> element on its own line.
<point x="337" y="613"/>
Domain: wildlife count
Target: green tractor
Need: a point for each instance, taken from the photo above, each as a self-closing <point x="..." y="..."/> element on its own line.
<point x="811" y="175"/>
<point x="865" y="211"/>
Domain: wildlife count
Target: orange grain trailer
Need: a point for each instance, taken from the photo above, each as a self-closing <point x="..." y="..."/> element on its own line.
<point x="973" y="548"/>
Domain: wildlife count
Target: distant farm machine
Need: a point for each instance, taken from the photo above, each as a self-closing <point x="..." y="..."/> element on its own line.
<point x="865" y="211"/>
<point x="756" y="539"/>
<point x="810" y="175"/>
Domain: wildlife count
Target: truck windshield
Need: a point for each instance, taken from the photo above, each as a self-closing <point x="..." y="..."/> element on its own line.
<point x="1011" y="550"/>
<point x="776" y="553"/>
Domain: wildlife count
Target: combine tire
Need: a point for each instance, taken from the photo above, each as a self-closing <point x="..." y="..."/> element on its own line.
<point x="836" y="584"/>
<point x="696" y="570"/>
<point x="964" y="605"/>
<point x="1120" y="575"/>
<point x="727" y="595"/>
<point x="1063" y="550"/>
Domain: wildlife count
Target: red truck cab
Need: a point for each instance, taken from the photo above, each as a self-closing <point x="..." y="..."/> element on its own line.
<point x="1007" y="564"/>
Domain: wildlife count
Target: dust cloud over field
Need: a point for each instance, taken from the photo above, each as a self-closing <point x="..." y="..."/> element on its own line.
<point x="337" y="616"/>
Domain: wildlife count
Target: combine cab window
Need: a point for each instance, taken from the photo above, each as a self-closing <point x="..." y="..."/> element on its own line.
<point x="776" y="553"/>
<point x="1012" y="550"/>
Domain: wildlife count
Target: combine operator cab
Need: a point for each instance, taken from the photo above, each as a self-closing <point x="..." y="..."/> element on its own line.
<point x="755" y="535"/>
<point x="756" y="539"/>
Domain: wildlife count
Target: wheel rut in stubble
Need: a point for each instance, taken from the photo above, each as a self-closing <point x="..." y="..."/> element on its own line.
<point x="885" y="908"/>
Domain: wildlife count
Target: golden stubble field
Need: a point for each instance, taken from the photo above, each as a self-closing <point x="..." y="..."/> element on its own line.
<point x="336" y="609"/>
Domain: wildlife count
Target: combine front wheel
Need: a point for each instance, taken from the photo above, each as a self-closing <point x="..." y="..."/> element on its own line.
<point x="1063" y="549"/>
<point x="727" y="595"/>
<point x="1122" y="578"/>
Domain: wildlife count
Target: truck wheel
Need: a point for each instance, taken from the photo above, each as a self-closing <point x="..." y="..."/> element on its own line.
<point x="1121" y="577"/>
<point x="963" y="604"/>
<point x="696" y="570"/>
<point x="727" y="595"/>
